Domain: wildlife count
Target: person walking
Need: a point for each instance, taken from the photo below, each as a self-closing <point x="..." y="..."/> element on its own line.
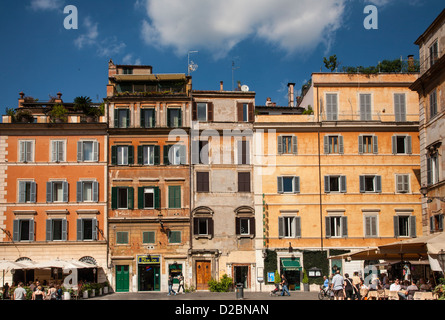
<point x="181" y="283"/>
<point x="284" y="285"/>
<point x="338" y="286"/>
<point x="170" y="286"/>
<point x="19" y="292"/>
<point x="356" y="283"/>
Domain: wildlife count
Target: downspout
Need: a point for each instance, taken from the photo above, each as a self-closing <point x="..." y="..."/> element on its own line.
<point x="319" y="170"/>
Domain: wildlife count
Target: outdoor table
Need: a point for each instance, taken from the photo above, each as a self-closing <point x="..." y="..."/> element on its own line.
<point x="373" y="294"/>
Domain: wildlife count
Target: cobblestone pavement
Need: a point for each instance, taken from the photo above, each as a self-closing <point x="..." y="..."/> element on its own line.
<point x="203" y="295"/>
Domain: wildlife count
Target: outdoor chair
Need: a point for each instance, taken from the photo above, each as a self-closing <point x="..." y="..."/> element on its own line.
<point x="393" y="295"/>
<point x="373" y="295"/>
<point x="427" y="296"/>
<point x="418" y="295"/>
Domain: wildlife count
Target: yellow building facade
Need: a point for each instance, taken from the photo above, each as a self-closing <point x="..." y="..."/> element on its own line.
<point x="345" y="177"/>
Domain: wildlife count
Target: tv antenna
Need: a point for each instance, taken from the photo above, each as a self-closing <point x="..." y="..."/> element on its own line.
<point x="191" y="66"/>
<point x="233" y="75"/>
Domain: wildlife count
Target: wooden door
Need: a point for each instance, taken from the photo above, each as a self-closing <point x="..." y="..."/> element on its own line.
<point x="122" y="279"/>
<point x="203" y="275"/>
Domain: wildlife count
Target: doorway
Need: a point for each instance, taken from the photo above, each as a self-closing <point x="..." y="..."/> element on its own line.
<point x="149" y="277"/>
<point x="241" y="275"/>
<point x="203" y="275"/>
<point x="122" y="278"/>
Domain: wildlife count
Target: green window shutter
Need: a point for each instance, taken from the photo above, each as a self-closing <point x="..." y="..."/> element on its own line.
<point x="114" y="198"/>
<point x="142" y="112"/>
<point x="128" y="118"/>
<point x="33" y="192"/>
<point x="360" y="144"/>
<point x="140" y="155"/>
<point x="49" y="230"/>
<point x="22" y="191"/>
<point x="148" y="237"/>
<point x="295" y="145"/>
<point x="141" y="198"/>
<point x="130" y="155"/>
<point x="130" y="198"/>
<point x="79" y="230"/>
<point x="327" y="184"/>
<point x="375" y="141"/>
<point x="280" y="145"/>
<point x="157" y="158"/>
<point x="116" y="118"/>
<point x="180" y="118"/>
<point x="174" y="197"/>
<point x="79" y="194"/>
<point x="114" y="155"/>
<point x="166" y="153"/>
<point x="157" y="198"/>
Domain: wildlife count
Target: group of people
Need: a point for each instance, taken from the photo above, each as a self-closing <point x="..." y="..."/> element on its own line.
<point x="170" y="284"/>
<point x="54" y="292"/>
<point x="350" y="288"/>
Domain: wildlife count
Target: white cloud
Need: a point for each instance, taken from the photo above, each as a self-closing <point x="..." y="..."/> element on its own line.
<point x="130" y="60"/>
<point x="218" y="26"/>
<point x="45" y="5"/>
<point x="90" y="36"/>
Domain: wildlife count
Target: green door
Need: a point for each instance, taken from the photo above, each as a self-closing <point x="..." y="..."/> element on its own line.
<point x="122" y="279"/>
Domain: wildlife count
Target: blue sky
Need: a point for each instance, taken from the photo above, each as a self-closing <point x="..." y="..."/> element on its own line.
<point x="272" y="42"/>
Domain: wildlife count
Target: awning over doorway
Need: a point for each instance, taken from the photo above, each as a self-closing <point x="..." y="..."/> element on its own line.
<point x="290" y="264"/>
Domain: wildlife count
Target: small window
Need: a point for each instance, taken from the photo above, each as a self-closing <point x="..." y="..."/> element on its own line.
<point x="433" y="168"/>
<point x="122" y="200"/>
<point x="149" y="198"/>
<point x="243" y="152"/>
<point x="336" y="227"/>
<point x="335" y="184"/>
<point x="148" y="118"/>
<point x="400" y="107"/>
<point x="433" y="104"/>
<point x="245" y="226"/>
<point x="121" y="237"/>
<point x="174" y="155"/>
<point x="371" y="184"/>
<point x="174" y="197"/>
<point x="57" y="191"/>
<point x="402" y="183"/>
<point x="202" y="111"/>
<point x="27" y="192"/>
<point x="202" y="225"/>
<point x="371" y="226"/>
<point x="149" y="237"/>
<point x="331" y="107"/>
<point x="148" y="155"/>
<point x="174" y="237"/>
<point x="122" y="155"/>
<point x="368" y="145"/>
<point x="58" y="151"/>
<point x="174" y="118"/>
<point x="87" y="191"/>
<point x="243" y="181"/>
<point x="288" y="184"/>
<point x="202" y="182"/>
<point x="333" y="144"/>
<point x="86" y="229"/>
<point x="200" y="152"/>
<point x="402" y="145"/>
<point x="87" y="151"/>
<point x="26" y="151"/>
<point x="23" y="230"/>
<point x="56" y="230"/>
<point x="365" y="107"/>
<point x="436" y="223"/>
<point x="405" y="226"/>
<point x="434" y="53"/>
<point x="289" y="227"/>
<point x="123" y="118"/>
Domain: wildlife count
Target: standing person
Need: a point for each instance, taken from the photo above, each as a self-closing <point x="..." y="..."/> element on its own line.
<point x="6" y="291"/>
<point x="349" y="288"/>
<point x="19" y="292"/>
<point x="170" y="286"/>
<point x="59" y="293"/>
<point x="38" y="294"/>
<point x="181" y="283"/>
<point x="52" y="292"/>
<point x="325" y="284"/>
<point x="284" y="285"/>
<point x="356" y="283"/>
<point x="338" y="286"/>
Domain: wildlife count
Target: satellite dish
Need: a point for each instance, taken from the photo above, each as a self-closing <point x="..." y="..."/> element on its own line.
<point x="245" y="88"/>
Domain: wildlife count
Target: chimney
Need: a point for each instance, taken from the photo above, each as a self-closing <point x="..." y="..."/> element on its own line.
<point x="291" y="95"/>
<point x="221" y="86"/>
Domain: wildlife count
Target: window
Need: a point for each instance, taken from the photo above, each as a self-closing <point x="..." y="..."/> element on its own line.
<point x="368" y="145"/>
<point x="436" y="223"/>
<point x="245" y="112"/>
<point x="121" y="237"/>
<point x="401" y="145"/>
<point x="58" y="151"/>
<point x="331" y="107"/>
<point x="202" y="182"/>
<point x="174" y="197"/>
<point x="434" y="53"/>
<point x="405" y="226"/>
<point x="288" y="145"/>
<point x="203" y="226"/>
<point x="432" y="163"/>
<point x="174" y="237"/>
<point x="174" y="155"/>
<point x="148" y="118"/>
<point x="200" y="152"/>
<point x="57" y="191"/>
<point x="289" y="227"/>
<point x="371" y="224"/>
<point x="365" y="107"/>
<point x="56" y="230"/>
<point x="27" y="192"/>
<point x="122" y="118"/>
<point x="148" y="198"/>
<point x="87" y="191"/>
<point x="26" y="151"/>
<point x="122" y="198"/>
<point x="245" y="226"/>
<point x="148" y="237"/>
<point x="86" y="229"/>
<point x="400" y="107"/>
<point x="333" y="144"/>
<point x="433" y="104"/>
<point x="87" y="151"/>
<point x="336" y="227"/>
<point x="23" y="230"/>
<point x="288" y="184"/>
<point x="243" y="152"/>
<point x="371" y="184"/>
<point x="243" y="181"/>
<point x="174" y="118"/>
<point x="402" y="183"/>
<point x="202" y="111"/>
<point x="122" y="155"/>
<point x="127" y="71"/>
<point x="335" y="184"/>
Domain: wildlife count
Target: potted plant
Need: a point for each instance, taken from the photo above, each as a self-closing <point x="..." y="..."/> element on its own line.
<point x="85" y="291"/>
<point x="305" y="281"/>
<point x="59" y="113"/>
<point x="106" y="285"/>
<point x="24" y="116"/>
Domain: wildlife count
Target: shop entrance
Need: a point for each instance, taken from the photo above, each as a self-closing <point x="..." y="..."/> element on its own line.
<point x="241" y="275"/>
<point x="292" y="271"/>
<point x="149" y="273"/>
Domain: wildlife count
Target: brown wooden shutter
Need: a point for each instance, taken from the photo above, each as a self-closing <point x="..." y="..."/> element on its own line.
<point x="210" y="112"/>
<point x="251" y="113"/>
<point x="240" y="112"/>
<point x="194" y="111"/>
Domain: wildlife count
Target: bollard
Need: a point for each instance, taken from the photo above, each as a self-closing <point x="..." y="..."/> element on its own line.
<point x="239" y="291"/>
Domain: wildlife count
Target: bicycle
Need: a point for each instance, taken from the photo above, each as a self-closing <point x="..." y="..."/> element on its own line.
<point x="324" y="294"/>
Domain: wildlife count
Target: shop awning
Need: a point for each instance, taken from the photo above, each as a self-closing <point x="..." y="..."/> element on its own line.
<point x="291" y="264"/>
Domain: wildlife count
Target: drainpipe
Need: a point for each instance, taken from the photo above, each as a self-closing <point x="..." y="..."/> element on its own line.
<point x="319" y="170"/>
